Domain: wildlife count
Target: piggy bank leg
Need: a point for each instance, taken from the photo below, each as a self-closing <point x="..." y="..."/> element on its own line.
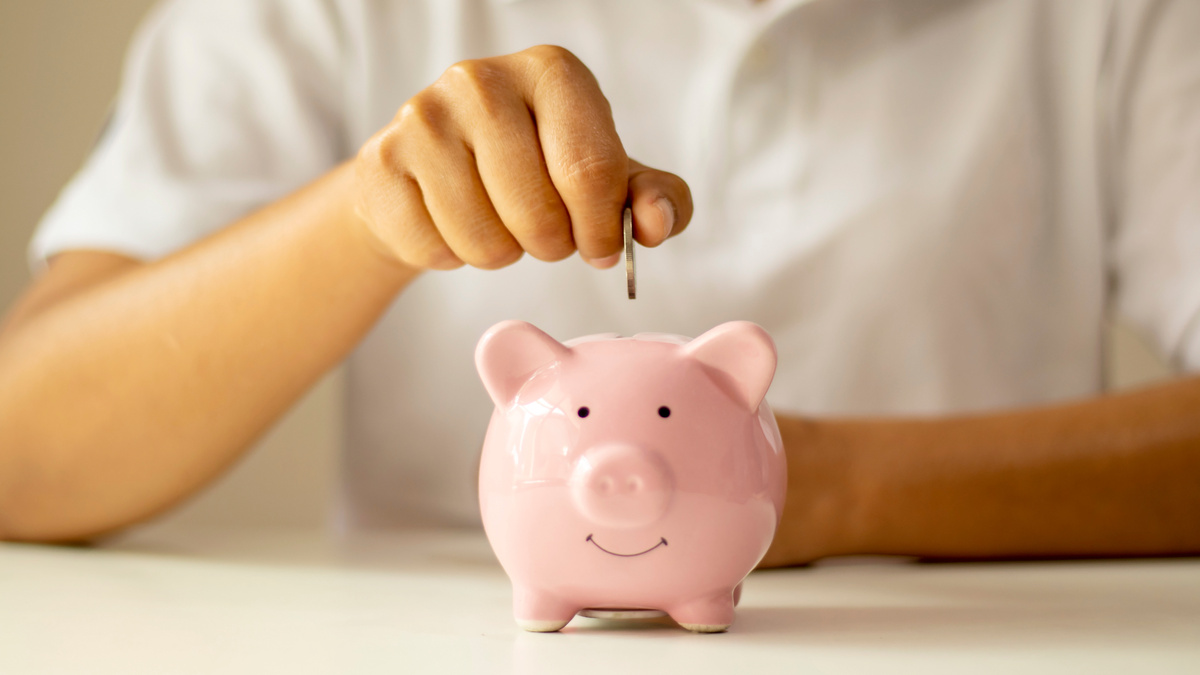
<point x="713" y="614"/>
<point x="539" y="612"/>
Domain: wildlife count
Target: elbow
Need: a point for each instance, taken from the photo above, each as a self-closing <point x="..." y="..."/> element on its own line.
<point x="28" y="526"/>
<point x="32" y="511"/>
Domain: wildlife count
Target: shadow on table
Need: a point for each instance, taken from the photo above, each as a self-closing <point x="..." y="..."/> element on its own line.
<point x="798" y="639"/>
<point x="879" y="626"/>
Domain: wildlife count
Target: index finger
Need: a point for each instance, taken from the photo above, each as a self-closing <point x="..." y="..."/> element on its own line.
<point x="584" y="156"/>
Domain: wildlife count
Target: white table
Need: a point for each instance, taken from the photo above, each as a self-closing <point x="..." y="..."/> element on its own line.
<point x="437" y="602"/>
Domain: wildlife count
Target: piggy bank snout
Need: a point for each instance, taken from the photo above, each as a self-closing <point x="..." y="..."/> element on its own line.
<point x="621" y="486"/>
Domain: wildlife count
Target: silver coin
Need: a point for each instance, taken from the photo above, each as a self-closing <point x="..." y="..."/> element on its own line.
<point x="630" y="267"/>
<point x="622" y="614"/>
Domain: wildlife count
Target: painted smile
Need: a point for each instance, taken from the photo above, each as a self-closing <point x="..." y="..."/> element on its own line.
<point x="662" y="541"/>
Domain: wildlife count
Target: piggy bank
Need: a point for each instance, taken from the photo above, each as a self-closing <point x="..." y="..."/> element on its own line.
<point x="629" y="476"/>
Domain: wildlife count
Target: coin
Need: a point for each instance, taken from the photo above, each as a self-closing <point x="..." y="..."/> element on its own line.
<point x="630" y="267"/>
<point x="621" y="614"/>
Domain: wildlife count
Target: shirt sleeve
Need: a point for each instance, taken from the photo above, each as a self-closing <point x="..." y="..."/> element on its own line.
<point x="225" y="105"/>
<point x="1155" y="249"/>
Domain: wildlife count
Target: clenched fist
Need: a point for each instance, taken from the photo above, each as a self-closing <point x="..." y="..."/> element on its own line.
<point x="509" y="155"/>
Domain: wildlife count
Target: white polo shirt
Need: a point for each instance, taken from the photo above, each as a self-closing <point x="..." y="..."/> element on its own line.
<point x="931" y="206"/>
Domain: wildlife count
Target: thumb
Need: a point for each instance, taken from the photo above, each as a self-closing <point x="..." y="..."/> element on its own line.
<point x="662" y="204"/>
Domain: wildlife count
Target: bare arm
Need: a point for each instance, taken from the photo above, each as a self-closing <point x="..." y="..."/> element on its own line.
<point x="1115" y="475"/>
<point x="124" y="387"/>
<point x="1112" y="476"/>
<point x="125" y="395"/>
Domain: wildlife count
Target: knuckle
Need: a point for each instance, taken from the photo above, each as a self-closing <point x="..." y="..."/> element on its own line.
<point x="382" y="179"/>
<point x="461" y="72"/>
<point x="551" y="54"/>
<point x="553" y="60"/>
<point x="423" y="116"/>
<point x="377" y="152"/>
<point x="479" y="82"/>
<point x="472" y="74"/>
<point x="597" y="173"/>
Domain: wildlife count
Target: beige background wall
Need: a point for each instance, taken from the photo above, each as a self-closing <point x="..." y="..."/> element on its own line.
<point x="59" y="66"/>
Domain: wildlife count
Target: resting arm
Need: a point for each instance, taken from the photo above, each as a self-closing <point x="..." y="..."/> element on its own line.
<point x="1117" y="475"/>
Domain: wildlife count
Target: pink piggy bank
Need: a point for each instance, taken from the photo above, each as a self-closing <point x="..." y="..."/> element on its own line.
<point x="621" y="475"/>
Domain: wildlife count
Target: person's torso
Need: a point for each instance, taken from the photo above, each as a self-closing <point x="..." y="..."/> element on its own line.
<point x="904" y="194"/>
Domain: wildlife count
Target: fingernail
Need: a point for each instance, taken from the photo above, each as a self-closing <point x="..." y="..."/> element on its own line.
<point x="668" y="213"/>
<point x="604" y="263"/>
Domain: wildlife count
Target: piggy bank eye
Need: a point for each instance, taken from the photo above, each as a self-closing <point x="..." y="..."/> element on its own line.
<point x="583" y="412"/>
<point x="664" y="411"/>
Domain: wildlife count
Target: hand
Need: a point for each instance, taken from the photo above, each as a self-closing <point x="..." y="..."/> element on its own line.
<point x="509" y="155"/>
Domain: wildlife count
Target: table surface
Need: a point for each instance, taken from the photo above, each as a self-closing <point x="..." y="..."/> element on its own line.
<point x="429" y="601"/>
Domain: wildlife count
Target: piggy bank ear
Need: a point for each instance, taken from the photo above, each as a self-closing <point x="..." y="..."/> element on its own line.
<point x="741" y="357"/>
<point x="509" y="353"/>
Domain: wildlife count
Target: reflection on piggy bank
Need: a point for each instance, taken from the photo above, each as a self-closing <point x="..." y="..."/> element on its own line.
<point x="621" y="475"/>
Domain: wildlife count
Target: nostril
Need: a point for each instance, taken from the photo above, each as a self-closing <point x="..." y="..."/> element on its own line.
<point x="633" y="484"/>
<point x="606" y="485"/>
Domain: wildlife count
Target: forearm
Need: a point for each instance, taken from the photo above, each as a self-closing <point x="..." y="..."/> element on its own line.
<point x="124" y="399"/>
<point x="1117" y="475"/>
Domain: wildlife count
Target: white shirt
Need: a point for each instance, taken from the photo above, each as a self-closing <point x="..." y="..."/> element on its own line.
<point x="931" y="206"/>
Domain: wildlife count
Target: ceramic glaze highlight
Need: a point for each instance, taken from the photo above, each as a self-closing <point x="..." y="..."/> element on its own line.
<point x="629" y="473"/>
